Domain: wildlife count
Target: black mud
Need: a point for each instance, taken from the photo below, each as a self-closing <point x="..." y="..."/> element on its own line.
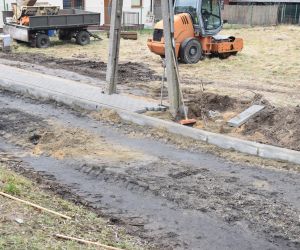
<point x="128" y="72"/>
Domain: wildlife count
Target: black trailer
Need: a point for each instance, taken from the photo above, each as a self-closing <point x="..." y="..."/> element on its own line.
<point x="68" y="23"/>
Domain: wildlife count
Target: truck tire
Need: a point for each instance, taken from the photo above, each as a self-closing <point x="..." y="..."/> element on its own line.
<point x="83" y="38"/>
<point x="190" y="51"/>
<point x="42" y="41"/>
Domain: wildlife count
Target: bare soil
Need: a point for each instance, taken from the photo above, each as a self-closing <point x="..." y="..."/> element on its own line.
<point x="175" y="198"/>
<point x="59" y="142"/>
<point x="279" y="126"/>
<point x="215" y="90"/>
<point x="128" y="71"/>
<point x="268" y="65"/>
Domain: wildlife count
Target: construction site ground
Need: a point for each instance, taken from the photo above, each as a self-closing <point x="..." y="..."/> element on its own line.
<point x="136" y="187"/>
<point x="265" y="72"/>
<point x="161" y="191"/>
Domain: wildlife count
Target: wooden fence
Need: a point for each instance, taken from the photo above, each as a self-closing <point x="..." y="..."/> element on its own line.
<point x="251" y="14"/>
<point x="289" y="13"/>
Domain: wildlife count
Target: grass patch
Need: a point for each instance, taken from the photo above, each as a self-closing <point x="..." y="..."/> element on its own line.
<point x="38" y="228"/>
<point x="11" y="188"/>
<point x="145" y="31"/>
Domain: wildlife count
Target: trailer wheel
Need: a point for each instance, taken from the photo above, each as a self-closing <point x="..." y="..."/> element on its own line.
<point x="42" y="41"/>
<point x="190" y="51"/>
<point x="83" y="38"/>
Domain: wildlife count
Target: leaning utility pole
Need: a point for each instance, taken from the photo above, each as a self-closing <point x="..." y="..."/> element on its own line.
<point x="114" y="45"/>
<point x="171" y="63"/>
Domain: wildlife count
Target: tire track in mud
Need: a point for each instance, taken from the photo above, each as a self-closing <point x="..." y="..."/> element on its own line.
<point x="169" y="226"/>
<point x="181" y="200"/>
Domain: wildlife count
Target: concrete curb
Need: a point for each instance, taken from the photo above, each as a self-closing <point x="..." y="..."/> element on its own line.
<point x="222" y="141"/>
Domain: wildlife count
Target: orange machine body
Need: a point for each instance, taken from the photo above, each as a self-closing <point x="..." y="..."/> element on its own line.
<point x="183" y="29"/>
<point x="25" y="20"/>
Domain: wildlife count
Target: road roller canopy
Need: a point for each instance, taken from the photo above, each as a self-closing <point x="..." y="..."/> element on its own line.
<point x="206" y="14"/>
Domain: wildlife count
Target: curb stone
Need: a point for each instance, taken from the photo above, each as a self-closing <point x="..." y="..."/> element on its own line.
<point x="222" y="141"/>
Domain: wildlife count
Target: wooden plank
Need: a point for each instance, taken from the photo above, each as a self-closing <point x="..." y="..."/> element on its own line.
<point x="129" y="35"/>
<point x="35" y="205"/>
<point x="87" y="242"/>
<point x="245" y="115"/>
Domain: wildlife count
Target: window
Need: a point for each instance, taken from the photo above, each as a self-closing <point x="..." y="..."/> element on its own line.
<point x="74" y="4"/>
<point x="187" y="6"/>
<point x="186" y="3"/>
<point x="136" y="3"/>
<point x="211" y="16"/>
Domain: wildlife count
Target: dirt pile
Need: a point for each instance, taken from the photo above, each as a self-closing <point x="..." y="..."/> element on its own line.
<point x="202" y="102"/>
<point x="279" y="126"/>
<point x="106" y="115"/>
<point x="275" y="126"/>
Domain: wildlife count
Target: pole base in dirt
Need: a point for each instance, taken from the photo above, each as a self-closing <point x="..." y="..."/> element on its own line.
<point x="188" y="122"/>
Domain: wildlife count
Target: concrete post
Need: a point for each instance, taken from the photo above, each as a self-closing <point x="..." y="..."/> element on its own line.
<point x="173" y="83"/>
<point x="114" y="45"/>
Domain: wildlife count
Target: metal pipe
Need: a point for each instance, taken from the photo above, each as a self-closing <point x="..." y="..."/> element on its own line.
<point x="296" y="13"/>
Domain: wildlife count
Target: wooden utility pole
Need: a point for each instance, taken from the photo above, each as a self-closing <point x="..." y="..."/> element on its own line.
<point x="171" y="64"/>
<point x="114" y="45"/>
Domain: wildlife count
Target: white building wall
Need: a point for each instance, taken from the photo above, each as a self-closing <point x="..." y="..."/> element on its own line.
<point x="98" y="6"/>
<point x="95" y="6"/>
<point x="8" y="4"/>
<point x="52" y="2"/>
<point x="144" y="11"/>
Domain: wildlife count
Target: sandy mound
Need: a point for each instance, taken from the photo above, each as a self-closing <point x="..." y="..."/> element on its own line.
<point x="64" y="142"/>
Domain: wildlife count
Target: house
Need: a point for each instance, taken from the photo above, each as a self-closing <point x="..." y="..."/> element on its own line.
<point x="143" y="12"/>
<point x="135" y="12"/>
